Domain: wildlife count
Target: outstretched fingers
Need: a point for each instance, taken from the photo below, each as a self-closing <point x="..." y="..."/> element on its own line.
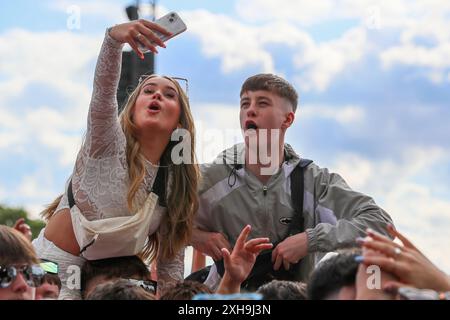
<point x="393" y="232"/>
<point x="240" y="242"/>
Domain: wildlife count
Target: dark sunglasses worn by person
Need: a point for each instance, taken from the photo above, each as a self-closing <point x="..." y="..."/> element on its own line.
<point x="33" y="275"/>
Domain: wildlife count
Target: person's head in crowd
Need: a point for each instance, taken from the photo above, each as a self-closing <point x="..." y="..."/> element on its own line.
<point x="164" y="96"/>
<point x="20" y="272"/>
<point x="283" y="290"/>
<point x="270" y="97"/>
<point x="334" y="278"/>
<point x="51" y="283"/>
<point x="119" y="289"/>
<point x="185" y="290"/>
<point x="96" y="272"/>
<point x="371" y="281"/>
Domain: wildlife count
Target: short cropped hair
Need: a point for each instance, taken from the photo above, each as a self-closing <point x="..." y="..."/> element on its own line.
<point x="333" y="274"/>
<point x="185" y="290"/>
<point x="272" y="83"/>
<point x="283" y="290"/>
<point x="120" y="289"/>
<point x="52" y="279"/>
<point x="110" y="268"/>
<point x="15" y="248"/>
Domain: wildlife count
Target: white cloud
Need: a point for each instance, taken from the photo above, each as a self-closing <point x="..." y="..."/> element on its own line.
<point x="36" y="188"/>
<point x="59" y="61"/>
<point x="413" y="20"/>
<point x="422" y="215"/>
<point x="235" y="43"/>
<point x="435" y="58"/>
<point x="304" y="12"/>
<point x="323" y="62"/>
<point x="240" y="45"/>
<point x="98" y="8"/>
<point x="343" y="115"/>
<point x="54" y="58"/>
<point x="31" y="187"/>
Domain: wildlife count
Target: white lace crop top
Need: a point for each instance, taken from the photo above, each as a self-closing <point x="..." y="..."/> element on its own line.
<point x="100" y="176"/>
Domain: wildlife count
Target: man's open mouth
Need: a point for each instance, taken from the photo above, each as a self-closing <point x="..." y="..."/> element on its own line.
<point x="250" y="125"/>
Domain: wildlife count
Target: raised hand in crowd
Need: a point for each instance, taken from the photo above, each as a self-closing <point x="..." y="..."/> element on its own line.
<point x="239" y="263"/>
<point x="23" y="228"/>
<point x="405" y="261"/>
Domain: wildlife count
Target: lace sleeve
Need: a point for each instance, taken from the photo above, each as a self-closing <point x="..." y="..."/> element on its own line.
<point x="104" y="137"/>
<point x="170" y="272"/>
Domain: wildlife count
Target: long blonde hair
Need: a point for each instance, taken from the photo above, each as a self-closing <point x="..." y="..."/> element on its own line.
<point x="182" y="202"/>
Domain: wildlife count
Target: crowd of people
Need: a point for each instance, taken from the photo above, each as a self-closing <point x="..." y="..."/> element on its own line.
<point x="275" y="224"/>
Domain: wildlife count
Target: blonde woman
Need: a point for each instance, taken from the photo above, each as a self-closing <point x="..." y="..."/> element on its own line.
<point x="117" y="166"/>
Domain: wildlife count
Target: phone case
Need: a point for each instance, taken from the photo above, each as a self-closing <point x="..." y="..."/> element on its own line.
<point x="172" y="23"/>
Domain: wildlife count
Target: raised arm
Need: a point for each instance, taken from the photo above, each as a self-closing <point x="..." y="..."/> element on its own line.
<point x="103" y="132"/>
<point x="239" y="263"/>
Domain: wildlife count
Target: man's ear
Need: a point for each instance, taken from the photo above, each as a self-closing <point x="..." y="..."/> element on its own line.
<point x="288" y="120"/>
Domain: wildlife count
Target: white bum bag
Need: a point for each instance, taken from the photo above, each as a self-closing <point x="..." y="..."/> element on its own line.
<point x="113" y="237"/>
<point x="117" y="236"/>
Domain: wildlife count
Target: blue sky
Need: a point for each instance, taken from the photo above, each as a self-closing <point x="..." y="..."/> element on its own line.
<point x="373" y="78"/>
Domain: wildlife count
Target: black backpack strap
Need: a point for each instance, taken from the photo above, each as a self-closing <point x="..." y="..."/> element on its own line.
<point x="159" y="186"/>
<point x="70" y="195"/>
<point x="297" y="194"/>
<point x="263" y="262"/>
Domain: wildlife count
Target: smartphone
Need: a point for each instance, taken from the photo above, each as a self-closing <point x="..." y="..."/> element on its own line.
<point x="172" y="23"/>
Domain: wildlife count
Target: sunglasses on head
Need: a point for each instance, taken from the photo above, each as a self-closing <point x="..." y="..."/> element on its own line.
<point x="33" y="275"/>
<point x="147" y="285"/>
<point x="49" y="266"/>
<point x="177" y="79"/>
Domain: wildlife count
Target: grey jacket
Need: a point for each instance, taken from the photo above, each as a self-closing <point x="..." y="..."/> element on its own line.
<point x="334" y="214"/>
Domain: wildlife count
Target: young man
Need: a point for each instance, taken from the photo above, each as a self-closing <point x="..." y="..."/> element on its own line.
<point x="20" y="273"/>
<point x="250" y="183"/>
<point x="130" y="268"/>
<point x="51" y="283"/>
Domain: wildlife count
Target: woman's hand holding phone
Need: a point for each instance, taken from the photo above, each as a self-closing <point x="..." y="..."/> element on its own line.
<point x="139" y="32"/>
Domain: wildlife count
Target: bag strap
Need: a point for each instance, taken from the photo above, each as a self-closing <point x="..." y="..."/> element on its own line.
<point x="70" y="195"/>
<point x="159" y="186"/>
<point x="297" y="194"/>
